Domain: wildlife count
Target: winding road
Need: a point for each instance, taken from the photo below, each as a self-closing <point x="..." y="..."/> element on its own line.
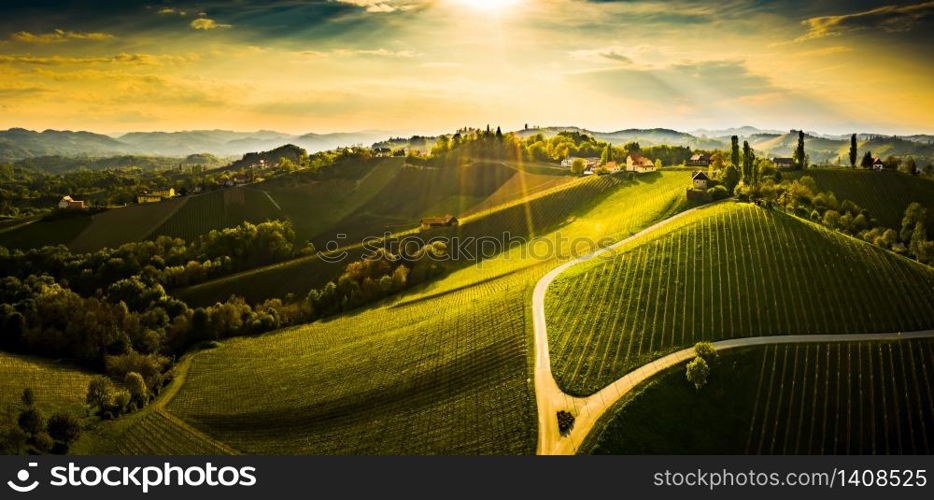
<point x="587" y="410"/>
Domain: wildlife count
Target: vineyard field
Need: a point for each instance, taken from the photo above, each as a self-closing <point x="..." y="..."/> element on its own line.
<point x="44" y="232"/>
<point x="447" y="375"/>
<point x="825" y="398"/>
<point x="725" y="271"/>
<point x="57" y="386"/>
<point x="218" y="210"/>
<point x="124" y="225"/>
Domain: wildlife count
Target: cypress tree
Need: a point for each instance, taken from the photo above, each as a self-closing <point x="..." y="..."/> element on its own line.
<point x="853" y="151"/>
<point x="800" y="157"/>
<point x="734" y="151"/>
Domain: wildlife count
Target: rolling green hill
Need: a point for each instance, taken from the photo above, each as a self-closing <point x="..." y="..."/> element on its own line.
<point x="219" y="209"/>
<point x="839" y="398"/>
<point x="725" y="271"/>
<point x="885" y="194"/>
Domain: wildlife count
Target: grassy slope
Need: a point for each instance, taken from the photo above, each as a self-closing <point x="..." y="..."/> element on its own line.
<point x="885" y="194"/>
<point x="444" y="370"/>
<point x="58" y="387"/>
<point x="726" y="271"/>
<point x="847" y="398"/>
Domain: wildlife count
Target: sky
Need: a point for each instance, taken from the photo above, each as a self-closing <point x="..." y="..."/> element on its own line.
<point x="430" y="66"/>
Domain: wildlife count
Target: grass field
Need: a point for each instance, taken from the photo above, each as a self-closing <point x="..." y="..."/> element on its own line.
<point x="885" y="194"/>
<point x="837" y="398"/>
<point x="58" y="387"/>
<point x="725" y="271"/>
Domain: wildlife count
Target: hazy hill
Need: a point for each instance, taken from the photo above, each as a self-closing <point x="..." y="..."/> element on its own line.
<point x="18" y="143"/>
<point x="62" y="164"/>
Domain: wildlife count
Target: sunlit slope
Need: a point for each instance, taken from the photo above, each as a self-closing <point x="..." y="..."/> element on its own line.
<point x="885" y="194"/>
<point x="57" y="386"/>
<point x="534" y="213"/>
<point x="836" y="398"/>
<point x="730" y="270"/>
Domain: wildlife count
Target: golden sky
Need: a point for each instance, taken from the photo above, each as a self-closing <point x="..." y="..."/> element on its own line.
<point x="426" y="66"/>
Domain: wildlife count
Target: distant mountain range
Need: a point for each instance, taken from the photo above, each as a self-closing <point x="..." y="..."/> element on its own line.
<point x="18" y="143"/>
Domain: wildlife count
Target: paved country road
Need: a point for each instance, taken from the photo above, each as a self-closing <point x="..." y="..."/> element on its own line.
<point x="587" y="410"/>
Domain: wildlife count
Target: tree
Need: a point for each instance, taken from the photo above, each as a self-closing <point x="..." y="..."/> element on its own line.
<point x="578" y="166"/>
<point x="914" y="214"/>
<point x="853" y="151"/>
<point x="917" y="246"/>
<point x="734" y="151"/>
<point x="908" y="166"/>
<point x="607" y="155"/>
<point x="28" y="398"/>
<point x="136" y="386"/>
<point x="100" y="393"/>
<point x="800" y="157"/>
<point x="730" y="178"/>
<point x="749" y="165"/>
<point x="867" y="160"/>
<point x="64" y="428"/>
<point x="31" y="421"/>
<point x="697" y="372"/>
<point x="658" y="164"/>
<point x="706" y="350"/>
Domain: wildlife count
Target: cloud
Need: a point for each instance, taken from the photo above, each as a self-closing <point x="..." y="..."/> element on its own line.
<point x="889" y="18"/>
<point x="204" y="23"/>
<point x="172" y="11"/>
<point x="58" y="35"/>
<point x="138" y="59"/>
<point x="616" y="56"/>
<point x="837" y="49"/>
<point x="378" y="6"/>
<point x="360" y="52"/>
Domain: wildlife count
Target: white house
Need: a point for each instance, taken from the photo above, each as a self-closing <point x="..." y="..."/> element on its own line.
<point x="69" y="203"/>
<point x="635" y="162"/>
<point x="700" y="180"/>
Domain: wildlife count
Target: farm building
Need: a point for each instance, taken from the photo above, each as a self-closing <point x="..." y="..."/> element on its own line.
<point x="700" y="180"/>
<point x="878" y="164"/>
<point x="638" y="163"/>
<point x="590" y="163"/>
<point x="698" y="160"/>
<point x="611" y="166"/>
<point x="155" y="196"/>
<point x="435" y="222"/>
<point x="69" y="203"/>
<point x="783" y="162"/>
<point x="381" y="152"/>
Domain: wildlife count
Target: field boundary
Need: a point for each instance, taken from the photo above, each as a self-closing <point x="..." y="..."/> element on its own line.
<point x="550" y="398"/>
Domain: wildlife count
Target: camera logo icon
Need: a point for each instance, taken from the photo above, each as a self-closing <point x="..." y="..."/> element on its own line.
<point x="22" y="477"/>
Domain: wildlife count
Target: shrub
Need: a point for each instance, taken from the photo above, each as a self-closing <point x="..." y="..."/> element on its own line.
<point x="565" y="422"/>
<point x="706" y="350"/>
<point x="718" y="193"/>
<point x="697" y="372"/>
<point x="64" y="428"/>
<point x="31" y="421"/>
<point x="43" y="442"/>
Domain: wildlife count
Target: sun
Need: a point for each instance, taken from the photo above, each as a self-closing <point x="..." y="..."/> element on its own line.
<point x="486" y="5"/>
